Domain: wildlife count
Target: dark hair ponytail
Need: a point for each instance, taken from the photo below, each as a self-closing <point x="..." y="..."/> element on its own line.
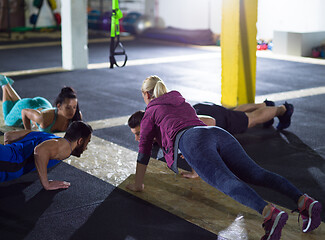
<point x="68" y="92"/>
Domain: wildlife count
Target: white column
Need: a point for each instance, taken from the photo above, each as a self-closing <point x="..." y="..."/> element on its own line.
<point x="149" y="8"/>
<point x="74" y="34"/>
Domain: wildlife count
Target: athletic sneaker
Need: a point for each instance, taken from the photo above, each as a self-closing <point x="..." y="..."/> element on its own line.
<point x="270" y="122"/>
<point x="285" y="119"/>
<point x="10" y="81"/>
<point x="5" y="80"/>
<point x="310" y="214"/>
<point x="269" y="103"/>
<point x="274" y="223"/>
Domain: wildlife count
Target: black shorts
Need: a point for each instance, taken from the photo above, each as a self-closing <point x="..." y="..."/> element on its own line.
<point x="232" y="121"/>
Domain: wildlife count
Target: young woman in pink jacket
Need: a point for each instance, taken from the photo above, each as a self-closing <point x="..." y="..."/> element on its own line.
<point x="215" y="155"/>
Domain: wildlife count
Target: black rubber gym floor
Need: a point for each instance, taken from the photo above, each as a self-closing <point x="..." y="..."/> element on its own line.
<point x="93" y="209"/>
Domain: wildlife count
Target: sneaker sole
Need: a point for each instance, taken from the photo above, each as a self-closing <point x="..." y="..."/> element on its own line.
<point x="278" y="224"/>
<point x="314" y="221"/>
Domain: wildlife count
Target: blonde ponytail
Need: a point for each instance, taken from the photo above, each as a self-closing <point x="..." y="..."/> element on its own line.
<point x="154" y="86"/>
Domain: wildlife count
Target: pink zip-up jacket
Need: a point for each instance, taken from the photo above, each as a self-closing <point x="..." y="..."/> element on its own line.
<point x="164" y="117"/>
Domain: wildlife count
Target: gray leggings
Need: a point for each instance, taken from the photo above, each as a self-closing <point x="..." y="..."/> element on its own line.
<point x="220" y="161"/>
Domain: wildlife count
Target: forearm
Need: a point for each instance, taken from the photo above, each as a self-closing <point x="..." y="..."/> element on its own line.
<point x="13" y="136"/>
<point x="25" y="119"/>
<point x="139" y="175"/>
<point x="41" y="161"/>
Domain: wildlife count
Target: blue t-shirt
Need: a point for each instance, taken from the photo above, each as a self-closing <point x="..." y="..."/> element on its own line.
<point x="17" y="158"/>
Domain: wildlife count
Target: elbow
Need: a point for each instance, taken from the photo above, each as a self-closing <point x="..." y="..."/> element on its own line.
<point x="37" y="152"/>
<point x="24" y="116"/>
<point x="23" y="113"/>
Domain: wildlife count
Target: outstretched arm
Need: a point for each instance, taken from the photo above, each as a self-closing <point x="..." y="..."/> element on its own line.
<point x="147" y="134"/>
<point x="31" y="115"/>
<point x="42" y="154"/>
<point x="138" y="185"/>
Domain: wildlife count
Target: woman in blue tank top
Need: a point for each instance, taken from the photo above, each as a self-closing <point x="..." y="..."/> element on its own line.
<point x="18" y="112"/>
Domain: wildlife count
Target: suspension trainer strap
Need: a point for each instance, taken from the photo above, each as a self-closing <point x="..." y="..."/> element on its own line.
<point x="115" y="36"/>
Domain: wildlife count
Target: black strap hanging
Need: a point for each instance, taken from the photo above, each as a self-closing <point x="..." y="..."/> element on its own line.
<point x="115" y="35"/>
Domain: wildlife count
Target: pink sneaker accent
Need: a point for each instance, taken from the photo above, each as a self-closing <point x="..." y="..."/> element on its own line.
<point x="310" y="214"/>
<point x="274" y="223"/>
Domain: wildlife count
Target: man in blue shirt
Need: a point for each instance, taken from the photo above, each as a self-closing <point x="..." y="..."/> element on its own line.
<point x="25" y="151"/>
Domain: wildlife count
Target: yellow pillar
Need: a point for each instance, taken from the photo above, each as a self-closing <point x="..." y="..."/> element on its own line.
<point x="238" y="52"/>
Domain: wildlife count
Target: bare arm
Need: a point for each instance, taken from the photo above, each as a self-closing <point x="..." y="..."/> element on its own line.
<point x="138" y="185"/>
<point x="13" y="136"/>
<point x="209" y="121"/>
<point x="31" y="115"/>
<point x="42" y="154"/>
